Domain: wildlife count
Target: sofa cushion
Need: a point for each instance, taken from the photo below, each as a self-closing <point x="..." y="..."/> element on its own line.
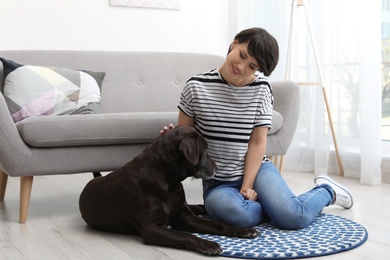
<point x="99" y="129"/>
<point x="36" y="90"/>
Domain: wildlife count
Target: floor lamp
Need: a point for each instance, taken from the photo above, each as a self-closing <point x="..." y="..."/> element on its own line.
<point x="294" y="6"/>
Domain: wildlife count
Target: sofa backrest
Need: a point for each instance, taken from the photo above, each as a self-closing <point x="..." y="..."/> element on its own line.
<point x="134" y="81"/>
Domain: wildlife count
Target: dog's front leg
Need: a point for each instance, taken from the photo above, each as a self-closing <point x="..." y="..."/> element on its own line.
<point x="162" y="236"/>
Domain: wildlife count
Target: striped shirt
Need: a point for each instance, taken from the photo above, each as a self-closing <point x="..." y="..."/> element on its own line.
<point x="226" y="115"/>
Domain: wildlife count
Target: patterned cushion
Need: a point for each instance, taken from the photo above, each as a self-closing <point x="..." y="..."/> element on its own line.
<point x="36" y="90"/>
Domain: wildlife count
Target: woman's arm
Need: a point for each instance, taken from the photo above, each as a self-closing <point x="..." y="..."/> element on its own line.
<point x="185" y="120"/>
<point x="253" y="160"/>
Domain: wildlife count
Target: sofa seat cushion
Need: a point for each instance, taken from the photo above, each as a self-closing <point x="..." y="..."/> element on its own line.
<point x="102" y="129"/>
<point x="94" y="129"/>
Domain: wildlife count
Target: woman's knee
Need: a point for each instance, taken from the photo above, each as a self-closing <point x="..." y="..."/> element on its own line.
<point x="234" y="216"/>
<point x="236" y="212"/>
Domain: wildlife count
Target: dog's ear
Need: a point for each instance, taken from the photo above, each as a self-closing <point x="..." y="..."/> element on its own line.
<point x="190" y="149"/>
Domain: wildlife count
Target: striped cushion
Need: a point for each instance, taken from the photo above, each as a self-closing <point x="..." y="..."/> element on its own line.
<point x="37" y="91"/>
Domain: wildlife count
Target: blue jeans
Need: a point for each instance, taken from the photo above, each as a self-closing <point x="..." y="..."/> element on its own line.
<point x="276" y="202"/>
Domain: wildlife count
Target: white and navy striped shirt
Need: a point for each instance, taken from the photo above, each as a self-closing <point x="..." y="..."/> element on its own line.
<point x="226" y="115"/>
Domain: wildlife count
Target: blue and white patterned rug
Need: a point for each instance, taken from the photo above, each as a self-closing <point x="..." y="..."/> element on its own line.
<point x="326" y="235"/>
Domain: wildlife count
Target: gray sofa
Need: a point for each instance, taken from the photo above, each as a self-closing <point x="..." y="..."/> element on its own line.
<point x="139" y="95"/>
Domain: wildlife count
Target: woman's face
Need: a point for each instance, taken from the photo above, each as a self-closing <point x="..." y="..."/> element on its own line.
<point x="239" y="67"/>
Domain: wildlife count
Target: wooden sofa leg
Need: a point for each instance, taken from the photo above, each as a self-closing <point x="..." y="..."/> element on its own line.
<point x="3" y="184"/>
<point x="25" y="194"/>
<point x="281" y="163"/>
<point x="275" y="160"/>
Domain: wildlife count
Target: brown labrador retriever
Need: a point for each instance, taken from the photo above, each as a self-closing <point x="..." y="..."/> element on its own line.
<point x="146" y="196"/>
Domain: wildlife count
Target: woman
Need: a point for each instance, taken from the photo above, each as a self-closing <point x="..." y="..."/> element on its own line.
<point x="231" y="106"/>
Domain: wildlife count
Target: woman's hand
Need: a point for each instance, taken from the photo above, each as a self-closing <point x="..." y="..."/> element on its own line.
<point x="166" y="129"/>
<point x="249" y="194"/>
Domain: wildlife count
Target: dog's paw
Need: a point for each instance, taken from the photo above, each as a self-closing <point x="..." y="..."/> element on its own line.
<point x="209" y="248"/>
<point x="247" y="233"/>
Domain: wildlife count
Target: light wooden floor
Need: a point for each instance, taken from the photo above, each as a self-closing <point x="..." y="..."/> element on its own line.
<point x="55" y="229"/>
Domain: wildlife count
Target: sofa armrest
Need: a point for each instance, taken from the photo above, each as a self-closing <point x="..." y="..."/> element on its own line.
<point x="286" y="102"/>
<point x="13" y="149"/>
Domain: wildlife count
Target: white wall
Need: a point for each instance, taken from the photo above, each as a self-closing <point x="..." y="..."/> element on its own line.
<point x="200" y="26"/>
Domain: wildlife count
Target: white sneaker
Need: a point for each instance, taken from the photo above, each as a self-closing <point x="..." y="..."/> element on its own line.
<point x="343" y="195"/>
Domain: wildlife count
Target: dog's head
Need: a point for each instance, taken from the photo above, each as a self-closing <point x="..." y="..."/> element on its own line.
<point x="190" y="150"/>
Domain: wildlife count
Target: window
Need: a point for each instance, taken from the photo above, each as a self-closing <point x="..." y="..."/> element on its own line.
<point x="386" y="71"/>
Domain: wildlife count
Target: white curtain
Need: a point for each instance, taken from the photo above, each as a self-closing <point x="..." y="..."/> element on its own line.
<point x="347" y="37"/>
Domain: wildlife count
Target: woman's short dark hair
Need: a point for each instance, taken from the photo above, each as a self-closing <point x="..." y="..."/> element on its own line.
<point x="262" y="46"/>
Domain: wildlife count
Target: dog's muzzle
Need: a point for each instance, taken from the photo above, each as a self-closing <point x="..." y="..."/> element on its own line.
<point x="206" y="167"/>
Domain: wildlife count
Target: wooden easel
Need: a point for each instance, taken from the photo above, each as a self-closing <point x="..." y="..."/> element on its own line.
<point x="294" y="6"/>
